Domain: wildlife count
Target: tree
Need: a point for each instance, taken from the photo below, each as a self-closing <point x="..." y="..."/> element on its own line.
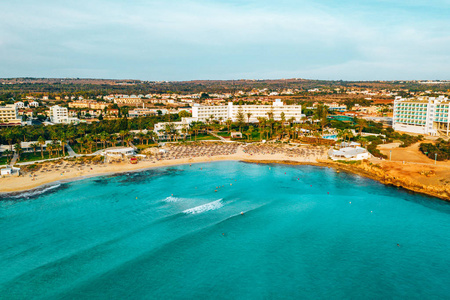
<point x="240" y="119"/>
<point x="41" y="142"/>
<point x="249" y="114"/>
<point x="229" y="122"/>
<point x="261" y="124"/>
<point x="8" y="153"/>
<point x="122" y="134"/>
<point x="360" y="124"/>
<point x="283" y="117"/>
<point x="63" y="140"/>
<point x="34" y="146"/>
<point x="249" y="132"/>
<point x="141" y="137"/>
<point x="18" y="150"/>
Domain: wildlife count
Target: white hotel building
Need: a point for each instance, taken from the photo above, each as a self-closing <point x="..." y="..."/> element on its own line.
<point x="60" y="115"/>
<point x="422" y="115"/>
<point x="230" y="111"/>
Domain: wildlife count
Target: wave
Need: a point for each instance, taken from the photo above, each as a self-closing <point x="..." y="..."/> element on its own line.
<point x="33" y="193"/>
<point x="205" y="207"/>
<point x="173" y="199"/>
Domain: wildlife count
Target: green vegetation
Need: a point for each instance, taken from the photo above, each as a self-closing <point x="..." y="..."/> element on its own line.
<point x="203" y="137"/>
<point x="441" y="148"/>
<point x="30" y="156"/>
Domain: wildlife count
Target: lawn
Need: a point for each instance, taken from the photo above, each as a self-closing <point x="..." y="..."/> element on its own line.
<point x="204" y="137"/>
<point x="145" y="146"/>
<point x="223" y="134"/>
<point x="30" y="156"/>
<point x="3" y="160"/>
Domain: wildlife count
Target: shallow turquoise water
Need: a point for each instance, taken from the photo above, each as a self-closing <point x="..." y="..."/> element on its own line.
<point x="126" y="236"/>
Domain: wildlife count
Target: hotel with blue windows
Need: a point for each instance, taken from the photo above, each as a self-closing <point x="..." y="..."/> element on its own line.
<point x="422" y="115"/>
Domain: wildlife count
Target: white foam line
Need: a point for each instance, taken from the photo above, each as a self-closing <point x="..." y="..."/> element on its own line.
<point x="173" y="199"/>
<point x="205" y="207"/>
<point x="36" y="192"/>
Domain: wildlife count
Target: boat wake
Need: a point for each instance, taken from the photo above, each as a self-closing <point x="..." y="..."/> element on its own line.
<point x="205" y="207"/>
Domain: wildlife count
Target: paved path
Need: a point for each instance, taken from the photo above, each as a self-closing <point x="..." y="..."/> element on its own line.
<point x="70" y="151"/>
<point x="218" y="136"/>
<point x="14" y="159"/>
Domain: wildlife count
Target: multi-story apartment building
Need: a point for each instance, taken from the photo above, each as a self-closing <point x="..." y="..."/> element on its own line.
<point x="231" y="111"/>
<point x="59" y="115"/>
<point x="422" y="115"/>
<point x="128" y="100"/>
<point x="142" y="112"/>
<point x="9" y="115"/>
<point x="88" y="104"/>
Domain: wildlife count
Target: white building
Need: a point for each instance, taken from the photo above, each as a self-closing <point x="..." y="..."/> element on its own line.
<point x="60" y="115"/>
<point x="349" y="153"/>
<point x="33" y="104"/>
<point x="20" y="104"/>
<point x="119" y="152"/>
<point x="422" y="115"/>
<point x="180" y="127"/>
<point x="9" y="115"/>
<point x="230" y="111"/>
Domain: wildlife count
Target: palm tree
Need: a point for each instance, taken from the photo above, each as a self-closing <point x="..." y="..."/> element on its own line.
<point x="41" y="142"/>
<point x="80" y="142"/>
<point x="185" y="129"/>
<point x="249" y="132"/>
<point x="129" y="139"/>
<point x="283" y="118"/>
<point x="141" y="137"/>
<point x="229" y="122"/>
<point x="360" y="124"/>
<point x="18" y="150"/>
<point x="56" y="146"/>
<point x="249" y="114"/>
<point x="122" y="134"/>
<point x="89" y="142"/>
<point x="50" y="149"/>
<point x="63" y="141"/>
<point x="104" y="136"/>
<point x="261" y="124"/>
<point x="8" y="153"/>
<point x="10" y="137"/>
<point x="34" y="146"/>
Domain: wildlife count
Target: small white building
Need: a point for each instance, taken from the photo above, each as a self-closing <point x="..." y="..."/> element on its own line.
<point x="349" y="153"/>
<point x="8" y="171"/>
<point x="33" y="104"/>
<point x="20" y="104"/>
<point x="119" y="152"/>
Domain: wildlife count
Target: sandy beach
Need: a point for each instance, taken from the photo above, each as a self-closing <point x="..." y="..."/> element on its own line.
<point x="418" y="175"/>
<point x="65" y="171"/>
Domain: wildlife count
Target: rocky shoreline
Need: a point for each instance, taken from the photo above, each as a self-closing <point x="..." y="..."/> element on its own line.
<point x="375" y="172"/>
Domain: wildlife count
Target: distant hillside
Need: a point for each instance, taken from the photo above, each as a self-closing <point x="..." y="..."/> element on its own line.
<point x="131" y="86"/>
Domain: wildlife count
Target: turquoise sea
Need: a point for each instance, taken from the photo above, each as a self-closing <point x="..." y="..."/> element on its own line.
<point x="178" y="233"/>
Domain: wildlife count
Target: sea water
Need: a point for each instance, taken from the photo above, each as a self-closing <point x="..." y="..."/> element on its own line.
<point x="224" y="230"/>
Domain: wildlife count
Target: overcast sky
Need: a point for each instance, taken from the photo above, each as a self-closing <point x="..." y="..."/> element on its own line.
<point x="206" y="39"/>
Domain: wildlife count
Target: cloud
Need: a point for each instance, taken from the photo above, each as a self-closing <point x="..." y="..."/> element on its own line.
<point x="176" y="40"/>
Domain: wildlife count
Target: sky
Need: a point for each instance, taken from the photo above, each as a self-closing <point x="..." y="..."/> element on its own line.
<point x="220" y="39"/>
